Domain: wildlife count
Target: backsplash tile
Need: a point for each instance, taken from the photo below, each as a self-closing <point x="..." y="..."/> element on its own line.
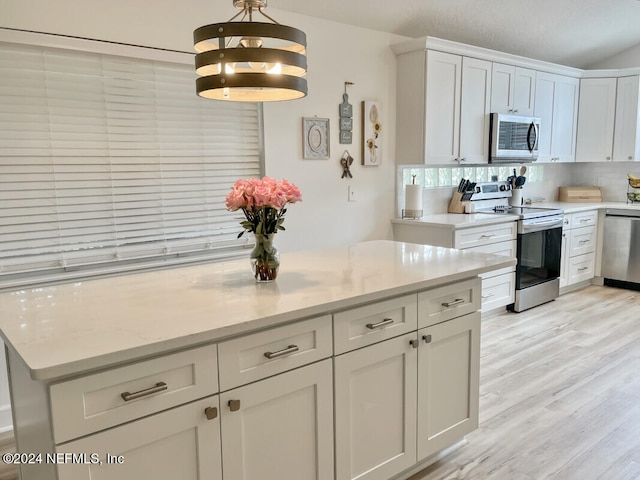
<point x="543" y="180"/>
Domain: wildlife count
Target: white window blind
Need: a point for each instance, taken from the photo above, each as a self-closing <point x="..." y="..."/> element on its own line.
<point x="108" y="161"/>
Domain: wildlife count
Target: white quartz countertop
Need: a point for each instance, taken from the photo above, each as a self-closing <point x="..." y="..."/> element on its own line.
<point x="455" y="221"/>
<point x="79" y="327"/>
<point x="570" y="207"/>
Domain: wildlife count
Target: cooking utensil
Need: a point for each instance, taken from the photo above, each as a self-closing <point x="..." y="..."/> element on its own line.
<point x="523" y="170"/>
<point x="520" y="181"/>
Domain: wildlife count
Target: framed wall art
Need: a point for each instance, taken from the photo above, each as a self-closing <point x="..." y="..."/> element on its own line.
<point x="372" y="133"/>
<point x="315" y="138"/>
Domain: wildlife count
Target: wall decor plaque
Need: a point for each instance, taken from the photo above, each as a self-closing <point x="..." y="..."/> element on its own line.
<point x="315" y="138"/>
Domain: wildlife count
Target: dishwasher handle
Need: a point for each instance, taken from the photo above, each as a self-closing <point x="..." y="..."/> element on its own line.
<point x="622" y="212"/>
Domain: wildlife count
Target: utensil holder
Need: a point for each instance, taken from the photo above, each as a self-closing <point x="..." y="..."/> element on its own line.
<point x="516" y="197"/>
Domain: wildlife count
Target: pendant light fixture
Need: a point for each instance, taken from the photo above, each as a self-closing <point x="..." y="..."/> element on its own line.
<point x="247" y="61"/>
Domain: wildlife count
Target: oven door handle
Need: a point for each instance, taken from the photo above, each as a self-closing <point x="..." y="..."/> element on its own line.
<point x="534" y="227"/>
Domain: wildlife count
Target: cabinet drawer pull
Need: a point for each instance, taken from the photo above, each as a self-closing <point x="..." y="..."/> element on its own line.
<point x="457" y="301"/>
<point x="489" y="295"/>
<point x="582" y="269"/>
<point x="583" y="241"/>
<point x="282" y="353"/>
<point x="584" y="220"/>
<point x="383" y="323"/>
<point x="211" y="413"/>
<point x="487" y="236"/>
<point x="158" y="387"/>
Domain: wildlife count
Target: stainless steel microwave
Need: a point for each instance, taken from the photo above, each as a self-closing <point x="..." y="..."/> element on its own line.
<point x="513" y="138"/>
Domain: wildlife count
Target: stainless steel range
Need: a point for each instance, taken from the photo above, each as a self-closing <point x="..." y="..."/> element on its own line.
<point x="539" y="247"/>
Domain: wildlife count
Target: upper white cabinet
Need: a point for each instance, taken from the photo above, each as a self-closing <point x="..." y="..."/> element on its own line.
<point x="556" y="103"/>
<point x="608" y="127"/>
<point x="626" y="137"/>
<point x="596" y="120"/>
<point x="512" y="89"/>
<point x="443" y="108"/>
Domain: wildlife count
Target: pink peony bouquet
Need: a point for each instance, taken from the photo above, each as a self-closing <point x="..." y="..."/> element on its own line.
<point x="263" y="203"/>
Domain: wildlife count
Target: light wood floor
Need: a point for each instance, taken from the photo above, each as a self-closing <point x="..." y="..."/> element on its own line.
<point x="559" y="393"/>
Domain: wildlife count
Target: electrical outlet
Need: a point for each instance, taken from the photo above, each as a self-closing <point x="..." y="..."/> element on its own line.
<point x="351" y="194"/>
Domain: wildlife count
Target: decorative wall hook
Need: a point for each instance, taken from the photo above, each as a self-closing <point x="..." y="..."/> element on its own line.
<point x="346" y="162"/>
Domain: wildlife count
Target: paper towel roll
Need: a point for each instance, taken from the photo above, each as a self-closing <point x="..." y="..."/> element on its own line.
<point x="413" y="197"/>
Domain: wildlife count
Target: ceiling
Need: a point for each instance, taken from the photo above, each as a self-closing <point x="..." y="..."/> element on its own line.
<point x="578" y="33"/>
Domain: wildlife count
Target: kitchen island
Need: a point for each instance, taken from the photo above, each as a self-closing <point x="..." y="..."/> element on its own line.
<point x="142" y="373"/>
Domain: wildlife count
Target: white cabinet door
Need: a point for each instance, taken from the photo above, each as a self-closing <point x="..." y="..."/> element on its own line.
<point x="512" y="89"/>
<point x="475" y="110"/>
<point x="626" y="138"/>
<point x="565" y="119"/>
<point x="375" y="396"/>
<point x="448" y="382"/>
<point x="280" y="427"/>
<point x="179" y="443"/>
<point x="556" y="103"/>
<point x="545" y="91"/>
<point x="596" y="119"/>
<point x="442" y="134"/>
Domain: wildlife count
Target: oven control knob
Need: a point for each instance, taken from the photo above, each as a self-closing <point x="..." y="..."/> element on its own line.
<point x="503" y="188"/>
<point x="477" y="189"/>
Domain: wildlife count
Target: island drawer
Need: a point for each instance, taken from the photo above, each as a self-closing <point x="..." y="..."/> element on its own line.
<point x="263" y="354"/>
<point x="95" y="402"/>
<point x="449" y="301"/>
<point x="362" y="326"/>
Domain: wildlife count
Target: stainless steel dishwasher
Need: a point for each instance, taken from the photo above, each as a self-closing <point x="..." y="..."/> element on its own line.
<point x="621" y="248"/>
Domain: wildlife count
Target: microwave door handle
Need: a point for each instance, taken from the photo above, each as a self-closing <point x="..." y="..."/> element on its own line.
<point x="537" y="130"/>
<point x="529" y="145"/>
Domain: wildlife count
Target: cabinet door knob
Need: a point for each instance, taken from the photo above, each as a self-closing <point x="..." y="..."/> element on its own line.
<point x="414" y="343"/>
<point x="234" y="405"/>
<point x="426" y="338"/>
<point x="211" y="413"/>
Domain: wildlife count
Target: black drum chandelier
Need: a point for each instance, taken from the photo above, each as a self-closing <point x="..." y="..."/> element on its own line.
<point x="247" y="61"/>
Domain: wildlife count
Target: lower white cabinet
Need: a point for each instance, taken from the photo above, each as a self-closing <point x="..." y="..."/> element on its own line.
<point x="402" y="400"/>
<point x="280" y="427"/>
<point x="499" y="239"/>
<point x="180" y="443"/>
<point x="579" y="237"/>
<point x="448" y="382"/>
<point x="376" y="395"/>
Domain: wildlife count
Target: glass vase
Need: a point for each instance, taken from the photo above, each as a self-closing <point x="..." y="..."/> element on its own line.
<point x="265" y="259"/>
